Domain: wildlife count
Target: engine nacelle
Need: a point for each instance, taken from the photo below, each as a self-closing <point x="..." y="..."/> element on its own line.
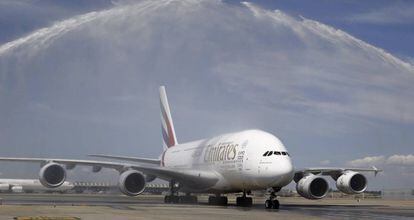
<point x="132" y="183"/>
<point x="4" y="187"/>
<point x="52" y="175"/>
<point x="17" y="189"/>
<point x="312" y="187"/>
<point x="351" y="182"/>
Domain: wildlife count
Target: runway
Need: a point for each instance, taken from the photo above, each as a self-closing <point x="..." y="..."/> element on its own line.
<point x="99" y="206"/>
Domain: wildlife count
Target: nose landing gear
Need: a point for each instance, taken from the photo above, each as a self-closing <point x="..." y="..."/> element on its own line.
<point x="272" y="202"/>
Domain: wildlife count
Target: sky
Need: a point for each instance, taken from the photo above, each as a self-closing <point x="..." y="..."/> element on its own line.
<point x="332" y="79"/>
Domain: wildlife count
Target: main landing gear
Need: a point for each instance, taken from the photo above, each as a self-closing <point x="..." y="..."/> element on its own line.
<point x="173" y="196"/>
<point x="217" y="200"/>
<point x="244" y="201"/>
<point x="272" y="202"/>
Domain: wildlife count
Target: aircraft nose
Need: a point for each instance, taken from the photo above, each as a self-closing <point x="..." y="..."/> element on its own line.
<point x="288" y="166"/>
<point x="286" y="170"/>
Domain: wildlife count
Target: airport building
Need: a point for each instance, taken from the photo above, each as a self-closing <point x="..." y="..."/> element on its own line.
<point x="95" y="187"/>
<point x="404" y="194"/>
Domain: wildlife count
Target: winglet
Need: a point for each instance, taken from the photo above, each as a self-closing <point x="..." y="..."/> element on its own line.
<point x="376" y="170"/>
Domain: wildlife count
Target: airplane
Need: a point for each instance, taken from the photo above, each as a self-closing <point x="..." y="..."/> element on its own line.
<point x="31" y="185"/>
<point x="230" y="163"/>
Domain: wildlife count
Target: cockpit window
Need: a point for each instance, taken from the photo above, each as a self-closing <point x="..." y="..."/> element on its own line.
<point x="269" y="153"/>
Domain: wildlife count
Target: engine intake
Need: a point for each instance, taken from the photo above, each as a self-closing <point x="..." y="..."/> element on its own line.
<point x="52" y="175"/>
<point x="351" y="183"/>
<point x="312" y="187"/>
<point x="132" y="183"/>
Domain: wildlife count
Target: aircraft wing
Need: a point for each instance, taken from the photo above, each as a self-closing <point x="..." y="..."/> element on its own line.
<point x="332" y="171"/>
<point x="133" y="159"/>
<point x="192" y="177"/>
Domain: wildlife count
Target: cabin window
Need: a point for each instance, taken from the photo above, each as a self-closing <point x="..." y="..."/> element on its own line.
<point x="277" y="153"/>
<point x="265" y="154"/>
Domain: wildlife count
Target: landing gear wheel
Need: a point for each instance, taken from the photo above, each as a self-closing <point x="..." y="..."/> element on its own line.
<point x="244" y="201"/>
<point x="173" y="194"/>
<point x="223" y="200"/>
<point x="272" y="202"/>
<point x="171" y="199"/>
<point x="275" y="204"/>
<point x="211" y="200"/>
<point x="187" y="199"/>
<point x="175" y="199"/>
<point x="268" y="204"/>
<point x="217" y="200"/>
<point x="167" y="199"/>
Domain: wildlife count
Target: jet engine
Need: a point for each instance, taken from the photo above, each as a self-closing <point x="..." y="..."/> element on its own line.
<point x="132" y="182"/>
<point x="351" y="182"/>
<point x="4" y="187"/>
<point x="17" y="189"/>
<point x="52" y="175"/>
<point x="312" y="187"/>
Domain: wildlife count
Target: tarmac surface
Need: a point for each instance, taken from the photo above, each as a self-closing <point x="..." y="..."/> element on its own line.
<point x="100" y="206"/>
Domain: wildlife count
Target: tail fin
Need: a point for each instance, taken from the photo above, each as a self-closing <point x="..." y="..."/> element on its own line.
<point x="167" y="126"/>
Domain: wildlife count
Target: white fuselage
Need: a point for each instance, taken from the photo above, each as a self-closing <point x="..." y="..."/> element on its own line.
<point x="26" y="185"/>
<point x="237" y="159"/>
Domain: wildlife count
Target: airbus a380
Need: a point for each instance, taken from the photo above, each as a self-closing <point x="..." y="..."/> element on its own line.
<point x="229" y="163"/>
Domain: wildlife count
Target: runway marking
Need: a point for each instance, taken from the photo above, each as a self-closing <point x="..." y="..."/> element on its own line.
<point x="44" y="218"/>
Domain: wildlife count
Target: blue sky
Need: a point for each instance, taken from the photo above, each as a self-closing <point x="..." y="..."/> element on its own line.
<point x="82" y="77"/>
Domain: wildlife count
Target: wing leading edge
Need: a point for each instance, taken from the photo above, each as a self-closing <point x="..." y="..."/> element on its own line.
<point x="132" y="159"/>
<point x="333" y="171"/>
